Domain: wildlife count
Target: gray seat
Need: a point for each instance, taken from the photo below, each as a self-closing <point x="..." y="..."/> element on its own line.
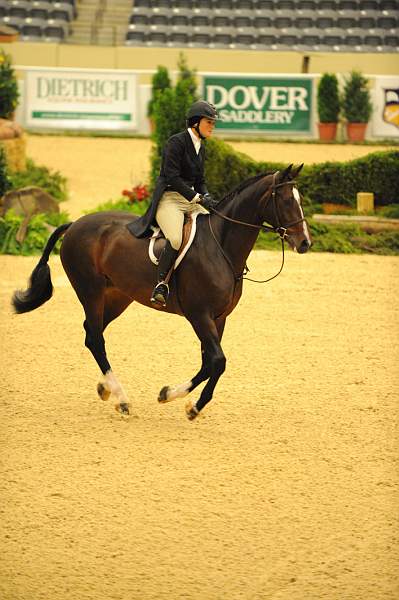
<point x="64" y="25"/>
<point x="204" y="5"/>
<point x="221" y="21"/>
<point x="199" y="39"/>
<point x="345" y="5"/>
<point x="19" y="9"/>
<point x="222" y="39"/>
<point x="310" y="39"/>
<point x="180" y="20"/>
<point x="31" y="31"/>
<point x="327" y="6"/>
<point x="53" y="33"/>
<point x="387" y="22"/>
<point x="304" y="23"/>
<point x="142" y="3"/>
<point x="62" y="11"/>
<point x="283" y="21"/>
<point x="200" y="20"/>
<point x="135" y="37"/>
<point x="367" y="22"/>
<point x="347" y="20"/>
<point x="157" y="37"/>
<point x="307" y="5"/>
<point x="242" y="21"/>
<point x="267" y="37"/>
<point x="265" y="19"/>
<point x="265" y="5"/>
<point x="178" y="38"/>
<point x="389" y="5"/>
<point x="4" y="6"/>
<point x="158" y="19"/>
<point x="288" y="38"/>
<point x="285" y="6"/>
<point x="367" y="5"/>
<point x="326" y="21"/>
<point x="138" y="19"/>
<point x="391" y="41"/>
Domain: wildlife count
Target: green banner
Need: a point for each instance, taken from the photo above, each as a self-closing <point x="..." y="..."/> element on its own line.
<point x="278" y="104"/>
<point x="48" y="114"/>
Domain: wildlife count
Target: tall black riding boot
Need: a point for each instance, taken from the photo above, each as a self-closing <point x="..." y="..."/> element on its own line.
<point x="161" y="291"/>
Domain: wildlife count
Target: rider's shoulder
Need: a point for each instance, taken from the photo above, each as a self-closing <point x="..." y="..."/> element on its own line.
<point x="178" y="138"/>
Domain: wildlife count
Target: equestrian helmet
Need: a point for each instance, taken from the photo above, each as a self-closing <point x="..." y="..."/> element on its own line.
<point x="201" y="109"/>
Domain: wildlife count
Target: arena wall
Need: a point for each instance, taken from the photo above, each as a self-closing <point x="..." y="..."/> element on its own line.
<point x="65" y="55"/>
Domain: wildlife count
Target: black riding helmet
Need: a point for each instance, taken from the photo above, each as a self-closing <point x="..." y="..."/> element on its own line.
<point x="199" y="110"/>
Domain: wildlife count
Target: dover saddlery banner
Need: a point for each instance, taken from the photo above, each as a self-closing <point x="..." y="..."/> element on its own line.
<point x="81" y="99"/>
<point x="270" y="103"/>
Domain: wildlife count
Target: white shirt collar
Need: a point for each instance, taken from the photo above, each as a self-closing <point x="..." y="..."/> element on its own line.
<point x="196" y="141"/>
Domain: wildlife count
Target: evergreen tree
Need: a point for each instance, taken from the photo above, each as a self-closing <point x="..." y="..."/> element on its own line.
<point x="8" y="87"/>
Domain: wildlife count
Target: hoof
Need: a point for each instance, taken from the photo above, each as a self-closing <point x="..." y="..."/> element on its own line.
<point x="103" y="392"/>
<point x="163" y="395"/>
<point x="122" y="408"/>
<point x="191" y="411"/>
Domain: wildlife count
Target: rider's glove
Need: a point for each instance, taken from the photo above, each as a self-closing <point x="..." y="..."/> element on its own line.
<point x="208" y="201"/>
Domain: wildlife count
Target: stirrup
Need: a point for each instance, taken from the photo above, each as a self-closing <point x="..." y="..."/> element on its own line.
<point x="160" y="293"/>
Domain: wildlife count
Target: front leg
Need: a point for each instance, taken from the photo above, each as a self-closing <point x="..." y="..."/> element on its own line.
<point x="169" y="393"/>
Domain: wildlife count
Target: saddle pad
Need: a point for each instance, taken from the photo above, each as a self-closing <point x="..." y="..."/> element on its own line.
<point x="189" y="230"/>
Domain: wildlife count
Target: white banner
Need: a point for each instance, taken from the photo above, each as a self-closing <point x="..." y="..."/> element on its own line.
<point x="81" y="99"/>
<point x="385" y="119"/>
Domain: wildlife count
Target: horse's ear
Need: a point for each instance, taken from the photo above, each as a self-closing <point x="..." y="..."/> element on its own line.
<point x="286" y="173"/>
<point x="296" y="171"/>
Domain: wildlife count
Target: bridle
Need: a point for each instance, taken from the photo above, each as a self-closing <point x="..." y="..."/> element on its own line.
<point x="281" y="229"/>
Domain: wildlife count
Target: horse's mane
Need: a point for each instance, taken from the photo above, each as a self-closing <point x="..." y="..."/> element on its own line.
<point x="244" y="184"/>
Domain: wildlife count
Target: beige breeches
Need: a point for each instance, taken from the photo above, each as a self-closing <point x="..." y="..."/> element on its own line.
<point x="170" y="216"/>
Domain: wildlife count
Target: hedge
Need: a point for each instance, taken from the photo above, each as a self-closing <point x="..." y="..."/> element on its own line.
<point x="335" y="182"/>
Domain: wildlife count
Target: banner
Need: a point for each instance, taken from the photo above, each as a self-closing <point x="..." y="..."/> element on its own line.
<point x="81" y="99"/>
<point x="385" y="119"/>
<point x="280" y="104"/>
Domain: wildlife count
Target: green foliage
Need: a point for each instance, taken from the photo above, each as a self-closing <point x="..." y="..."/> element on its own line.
<point x="357" y="107"/>
<point x="5" y="182"/>
<point x="328" y="102"/>
<point x="336" y="182"/>
<point x="37" y="234"/>
<point x="169" y="113"/>
<point x="52" y="181"/>
<point x="160" y="83"/>
<point x="389" y="212"/>
<point x="8" y="87"/>
<point x="344" y="239"/>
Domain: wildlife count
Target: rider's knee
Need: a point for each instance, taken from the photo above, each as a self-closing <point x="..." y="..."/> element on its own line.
<point x="175" y="241"/>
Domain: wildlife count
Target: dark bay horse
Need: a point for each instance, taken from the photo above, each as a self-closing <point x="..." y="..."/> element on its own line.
<point x="109" y="268"/>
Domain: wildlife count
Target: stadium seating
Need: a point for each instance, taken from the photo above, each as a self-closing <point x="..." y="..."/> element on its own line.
<point x="326" y="25"/>
<point x="39" y="20"/>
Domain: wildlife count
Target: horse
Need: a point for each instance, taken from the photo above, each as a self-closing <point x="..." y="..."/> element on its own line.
<point x="109" y="269"/>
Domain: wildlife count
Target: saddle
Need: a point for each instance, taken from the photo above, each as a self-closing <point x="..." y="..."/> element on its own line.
<point x="157" y="240"/>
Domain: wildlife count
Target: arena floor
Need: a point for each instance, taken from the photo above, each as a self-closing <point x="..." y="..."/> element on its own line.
<point x="285" y="488"/>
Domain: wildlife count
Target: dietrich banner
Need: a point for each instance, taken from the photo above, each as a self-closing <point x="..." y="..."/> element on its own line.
<point x="276" y="104"/>
<point x="81" y="99"/>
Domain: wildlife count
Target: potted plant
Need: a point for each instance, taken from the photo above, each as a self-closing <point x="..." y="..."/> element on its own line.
<point x="357" y="107"/>
<point x="160" y="82"/>
<point x="9" y="93"/>
<point x="328" y="106"/>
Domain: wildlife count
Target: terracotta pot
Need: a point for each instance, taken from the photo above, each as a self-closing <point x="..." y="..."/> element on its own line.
<point x="355" y="132"/>
<point x="327" y="131"/>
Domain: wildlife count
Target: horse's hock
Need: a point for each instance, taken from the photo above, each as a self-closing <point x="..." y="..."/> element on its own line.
<point x="13" y="140"/>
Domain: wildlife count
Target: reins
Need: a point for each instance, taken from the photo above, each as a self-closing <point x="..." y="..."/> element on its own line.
<point x="281" y="230"/>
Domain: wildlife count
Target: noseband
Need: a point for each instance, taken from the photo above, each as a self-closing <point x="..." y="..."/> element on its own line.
<point x="279" y="228"/>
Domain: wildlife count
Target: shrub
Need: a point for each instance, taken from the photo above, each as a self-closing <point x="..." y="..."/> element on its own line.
<point x="8" y="87"/>
<point x="357" y="107"/>
<point x="5" y="182"/>
<point x="160" y="83"/>
<point x="334" y="182"/>
<point x="51" y="181"/>
<point x="328" y="103"/>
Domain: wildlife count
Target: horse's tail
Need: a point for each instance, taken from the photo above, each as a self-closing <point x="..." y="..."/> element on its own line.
<point x="40" y="286"/>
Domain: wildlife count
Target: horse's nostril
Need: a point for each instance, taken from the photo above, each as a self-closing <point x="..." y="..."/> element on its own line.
<point x="304" y="247"/>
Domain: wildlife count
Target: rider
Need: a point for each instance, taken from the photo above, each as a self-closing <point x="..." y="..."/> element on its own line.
<point x="180" y="189"/>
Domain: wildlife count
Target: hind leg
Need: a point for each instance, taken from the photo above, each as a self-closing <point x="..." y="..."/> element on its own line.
<point x="114" y="304"/>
